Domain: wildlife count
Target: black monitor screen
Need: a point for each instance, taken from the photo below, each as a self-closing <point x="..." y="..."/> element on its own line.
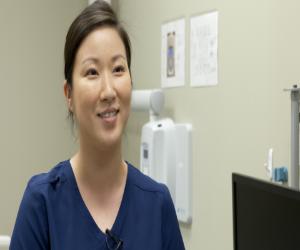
<point x="266" y="216"/>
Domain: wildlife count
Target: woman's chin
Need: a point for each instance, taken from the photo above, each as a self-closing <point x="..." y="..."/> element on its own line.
<point x="110" y="140"/>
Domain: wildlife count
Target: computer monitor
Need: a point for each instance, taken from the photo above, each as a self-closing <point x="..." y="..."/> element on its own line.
<point x="266" y="216"/>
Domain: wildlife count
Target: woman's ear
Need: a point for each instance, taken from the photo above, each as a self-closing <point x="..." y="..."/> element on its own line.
<point x="68" y="95"/>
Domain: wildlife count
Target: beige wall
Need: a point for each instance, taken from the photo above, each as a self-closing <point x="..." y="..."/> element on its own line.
<point x="34" y="132"/>
<point x="235" y="122"/>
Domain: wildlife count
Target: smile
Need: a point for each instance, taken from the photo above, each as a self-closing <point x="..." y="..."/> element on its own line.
<point x="108" y="113"/>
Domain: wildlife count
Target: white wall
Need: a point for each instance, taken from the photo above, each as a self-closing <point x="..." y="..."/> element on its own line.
<point x="235" y="122"/>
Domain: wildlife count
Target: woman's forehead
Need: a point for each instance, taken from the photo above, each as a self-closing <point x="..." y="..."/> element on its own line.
<point x="100" y="43"/>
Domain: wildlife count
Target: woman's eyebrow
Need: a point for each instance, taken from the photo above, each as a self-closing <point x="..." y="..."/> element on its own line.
<point x="116" y="57"/>
<point x="92" y="59"/>
<point x="97" y="61"/>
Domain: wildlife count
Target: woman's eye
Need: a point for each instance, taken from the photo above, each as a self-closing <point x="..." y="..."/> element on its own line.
<point x="119" y="69"/>
<point x="92" y="72"/>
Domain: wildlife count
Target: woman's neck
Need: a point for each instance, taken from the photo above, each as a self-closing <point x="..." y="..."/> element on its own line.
<point x="98" y="168"/>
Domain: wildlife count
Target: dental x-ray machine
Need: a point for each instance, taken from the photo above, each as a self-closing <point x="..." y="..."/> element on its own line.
<point x="166" y="150"/>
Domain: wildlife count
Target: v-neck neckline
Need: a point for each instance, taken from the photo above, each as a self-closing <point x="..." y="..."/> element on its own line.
<point x="118" y="223"/>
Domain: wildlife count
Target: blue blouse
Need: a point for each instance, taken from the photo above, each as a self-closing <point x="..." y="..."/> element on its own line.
<point x="53" y="215"/>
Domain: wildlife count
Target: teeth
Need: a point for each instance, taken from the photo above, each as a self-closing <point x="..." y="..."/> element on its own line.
<point x="108" y="114"/>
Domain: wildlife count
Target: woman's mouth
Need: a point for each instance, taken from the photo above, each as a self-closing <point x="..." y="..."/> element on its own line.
<point x="109" y="115"/>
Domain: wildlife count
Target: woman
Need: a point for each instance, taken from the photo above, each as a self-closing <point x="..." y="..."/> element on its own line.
<point x="96" y="200"/>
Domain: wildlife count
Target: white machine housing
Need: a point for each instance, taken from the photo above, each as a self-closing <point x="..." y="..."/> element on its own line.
<point x="157" y="152"/>
<point x="166" y="157"/>
<point x="166" y="151"/>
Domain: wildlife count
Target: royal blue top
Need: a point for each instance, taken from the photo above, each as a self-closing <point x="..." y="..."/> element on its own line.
<point x="53" y="215"/>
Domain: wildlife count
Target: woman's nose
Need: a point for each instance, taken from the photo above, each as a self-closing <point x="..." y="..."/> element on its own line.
<point x="107" y="90"/>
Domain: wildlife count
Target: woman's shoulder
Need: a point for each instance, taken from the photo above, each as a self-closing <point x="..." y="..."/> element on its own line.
<point x="144" y="182"/>
<point x="55" y="175"/>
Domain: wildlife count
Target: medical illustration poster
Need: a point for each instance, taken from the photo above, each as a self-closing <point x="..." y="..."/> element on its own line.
<point x="204" y="49"/>
<point x="173" y="53"/>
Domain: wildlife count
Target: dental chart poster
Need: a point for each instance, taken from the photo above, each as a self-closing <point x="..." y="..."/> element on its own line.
<point x="173" y="53"/>
<point x="204" y="50"/>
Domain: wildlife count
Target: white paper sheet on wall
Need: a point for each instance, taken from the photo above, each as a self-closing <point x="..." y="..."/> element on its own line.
<point x="204" y="49"/>
<point x="173" y="54"/>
